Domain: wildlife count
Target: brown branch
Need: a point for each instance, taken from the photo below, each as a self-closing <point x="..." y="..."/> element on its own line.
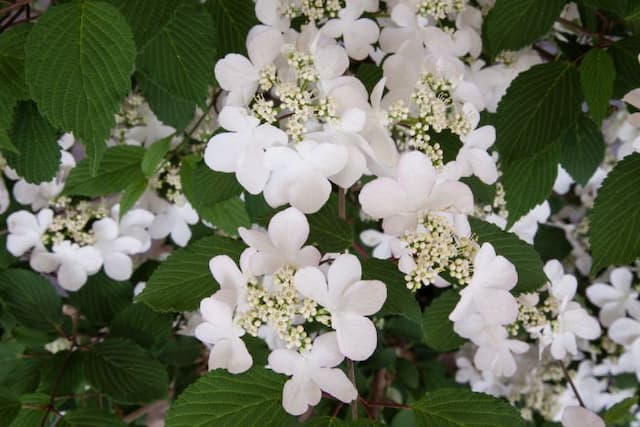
<point x="144" y="410"/>
<point x="352" y="377"/>
<point x="570" y="381"/>
<point x="342" y="203"/>
<point x="15" y="5"/>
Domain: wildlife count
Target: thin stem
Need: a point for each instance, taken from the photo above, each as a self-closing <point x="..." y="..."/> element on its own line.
<point x="389" y="405"/>
<point x="13" y="6"/>
<point x="570" y="381"/>
<point x="370" y="414"/>
<point x="342" y="203"/>
<point x="352" y="377"/>
<point x="50" y="406"/>
<point x="360" y="250"/>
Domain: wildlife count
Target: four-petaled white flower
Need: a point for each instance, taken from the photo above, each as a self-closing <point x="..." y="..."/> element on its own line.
<point x="357" y="33"/>
<point x="282" y="245"/>
<point x="312" y="372"/>
<point x="348" y="299"/>
<point x="242" y="150"/>
<point x="73" y="263"/>
<point x="218" y="329"/>
<point x="26" y="230"/>
<point x="493" y="277"/>
<point x="615" y="300"/>
<point x="414" y="188"/>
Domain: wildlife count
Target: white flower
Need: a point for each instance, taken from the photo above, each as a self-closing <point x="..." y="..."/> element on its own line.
<point x="152" y="130"/>
<point x="625" y="331"/>
<point x="572" y="321"/>
<point x="312" y="372"/>
<point x="493" y="277"/>
<point x="413" y="189"/>
<point x="357" y="34"/>
<point x="348" y="299"/>
<point x="218" y="329"/>
<point x="615" y="300"/>
<point x="73" y="263"/>
<point x="171" y="219"/>
<point x="385" y="246"/>
<point x="232" y="281"/>
<point x="242" y="150"/>
<point x="116" y="245"/>
<point x="268" y="12"/>
<point x="26" y="230"/>
<point x="282" y="245"/>
<point x="410" y="26"/>
<point x="577" y="416"/>
<point x="473" y="157"/>
<point x="300" y="176"/>
<point x="240" y="75"/>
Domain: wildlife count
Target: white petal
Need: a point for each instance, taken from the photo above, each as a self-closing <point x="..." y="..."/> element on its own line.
<point x="252" y="173"/>
<point x="118" y="266"/>
<point x="621" y="279"/>
<point x="311" y="283"/>
<point x="71" y="276"/>
<point x="263" y="45"/>
<point x="223" y="151"/>
<point x="336" y="383"/>
<point x="357" y="337"/>
<point x="226" y="273"/>
<point x="285" y="361"/>
<point x="416" y="175"/>
<point x="309" y="192"/>
<point x="325" y="351"/>
<point x="382" y="198"/>
<point x="344" y="271"/>
<point x="298" y="394"/>
<point x="288" y="230"/>
<point x="364" y="297"/>
<point x="235" y="71"/>
<point x="576" y="416"/>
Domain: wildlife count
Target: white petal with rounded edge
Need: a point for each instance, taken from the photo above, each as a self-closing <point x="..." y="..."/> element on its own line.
<point x="288" y="230"/>
<point x="357" y="337"/>
<point x="335" y="382"/>
<point x="364" y="297"/>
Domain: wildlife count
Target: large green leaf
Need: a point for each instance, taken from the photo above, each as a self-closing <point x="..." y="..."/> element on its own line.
<point x="178" y="60"/>
<point x="232" y="20"/>
<point x="145" y="21"/>
<point x="101" y="298"/>
<point x="438" y="329"/>
<point x="582" y="149"/>
<point x="209" y="187"/>
<point x="119" y="167"/>
<point x="12" y="80"/>
<point x="184" y="279"/>
<point x="514" y="24"/>
<point x="79" y="59"/>
<point x="35" y="139"/>
<point x="141" y="324"/>
<point x="400" y="300"/>
<point x="625" y="57"/>
<point x="227" y="215"/>
<point x="528" y="182"/>
<point x="251" y="399"/>
<point x="615" y="218"/>
<point x="125" y="372"/>
<point x="461" y="408"/>
<point x="9" y="407"/>
<point x="525" y="258"/>
<point x="597" y="74"/>
<point x="539" y="105"/>
<point x="31" y="299"/>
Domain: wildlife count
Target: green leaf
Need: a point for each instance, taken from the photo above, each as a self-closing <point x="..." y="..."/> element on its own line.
<point x="529" y="182"/>
<point x="10" y="354"/>
<point x="125" y="372"/>
<point x="145" y="21"/>
<point x="232" y="20"/>
<point x="526" y="260"/>
<point x="597" y="74"/>
<point x="400" y="300"/>
<point x="23" y="377"/>
<point x="539" y="105"/>
<point x="514" y="24"/>
<point x="62" y="373"/>
<point x="178" y="60"/>
<point x="184" y="279"/>
<point x="154" y="156"/>
<point x="101" y="298"/>
<point x="328" y="231"/>
<point x="438" y="329"/>
<point x="36" y="141"/>
<point x="183" y="351"/>
<point x="169" y="108"/>
<point x="252" y="399"/>
<point x="94" y="150"/>
<point x="327" y="421"/>
<point x="209" y="187"/>
<point x="582" y="149"/>
<point x="12" y="61"/>
<point x="29" y="415"/>
<point x="142" y="325"/>
<point x="620" y="413"/>
<point x="31" y="299"/>
<point x="90" y="44"/>
<point x="551" y="243"/>
<point x="459" y="408"/>
<point x="227" y="215"/>
<point x="119" y="168"/>
<point x="131" y="195"/>
<point x="615" y="217"/>
<point x="369" y="75"/>
<point x="9" y="407"/>
<point x="625" y="57"/>
<point x="5" y="142"/>
<point x="89" y="417"/>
